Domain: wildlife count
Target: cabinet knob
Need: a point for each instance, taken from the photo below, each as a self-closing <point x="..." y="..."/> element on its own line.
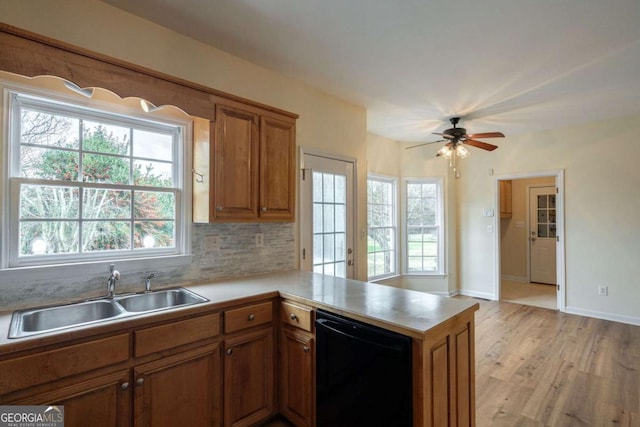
<point x="305" y="349"/>
<point x="252" y="316"/>
<point x="263" y="209"/>
<point x="229" y="351"/>
<point x="140" y="381"/>
<point x="219" y="208"/>
<point x="124" y="386"/>
<point x="293" y="316"/>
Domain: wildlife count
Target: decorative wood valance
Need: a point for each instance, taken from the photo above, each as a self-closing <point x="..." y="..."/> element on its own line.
<point x="29" y="54"/>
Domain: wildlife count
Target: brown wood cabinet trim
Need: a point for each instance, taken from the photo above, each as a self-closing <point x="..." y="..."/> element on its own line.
<point x="19" y="46"/>
<point x="175" y="334"/>
<point x="51" y="365"/>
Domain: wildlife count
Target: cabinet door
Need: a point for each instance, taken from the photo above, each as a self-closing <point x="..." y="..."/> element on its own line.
<point x="181" y="390"/>
<point x="277" y="169"/>
<point x="248" y="378"/>
<point x="297" y="374"/>
<point x="101" y="402"/>
<point x="235" y="160"/>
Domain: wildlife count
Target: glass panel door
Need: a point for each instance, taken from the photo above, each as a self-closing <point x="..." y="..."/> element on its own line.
<point x="327" y="216"/>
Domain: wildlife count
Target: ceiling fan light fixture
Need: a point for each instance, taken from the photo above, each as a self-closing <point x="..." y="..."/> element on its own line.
<point x="445" y="152"/>
<point x="462" y="152"/>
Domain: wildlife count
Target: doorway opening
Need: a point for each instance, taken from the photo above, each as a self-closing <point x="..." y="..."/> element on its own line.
<point x="530" y="241"/>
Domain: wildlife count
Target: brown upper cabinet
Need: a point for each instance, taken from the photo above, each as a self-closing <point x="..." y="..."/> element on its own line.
<point x="252" y="166"/>
<point x="505" y="199"/>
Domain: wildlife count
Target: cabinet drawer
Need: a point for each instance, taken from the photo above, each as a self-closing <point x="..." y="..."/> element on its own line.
<point x="175" y="334"/>
<point x="247" y="317"/>
<point x="296" y="315"/>
<point x="51" y="365"/>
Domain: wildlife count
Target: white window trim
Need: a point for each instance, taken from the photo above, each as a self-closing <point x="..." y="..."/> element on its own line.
<point x="183" y="156"/>
<point x="440" y="216"/>
<point x="394" y="181"/>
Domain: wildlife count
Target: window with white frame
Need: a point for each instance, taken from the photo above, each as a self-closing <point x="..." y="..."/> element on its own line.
<point x="424" y="248"/>
<point x="88" y="184"/>
<point x="382" y="227"/>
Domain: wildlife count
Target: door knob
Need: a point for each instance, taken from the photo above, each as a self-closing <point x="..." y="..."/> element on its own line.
<point x="350" y="262"/>
<point x="140" y="381"/>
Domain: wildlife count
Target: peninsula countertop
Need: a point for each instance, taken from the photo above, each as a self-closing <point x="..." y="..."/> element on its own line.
<point x="405" y="311"/>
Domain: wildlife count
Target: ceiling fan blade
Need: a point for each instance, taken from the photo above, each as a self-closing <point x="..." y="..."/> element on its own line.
<point x="480" y="144"/>
<point x="487" y="135"/>
<point x="444" y="135"/>
<point x="424" y="143"/>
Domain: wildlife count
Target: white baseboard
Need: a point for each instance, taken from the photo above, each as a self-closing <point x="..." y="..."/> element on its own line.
<point x="632" y="320"/>
<point x="476" y="294"/>
<point x="522" y="279"/>
<point x="444" y="293"/>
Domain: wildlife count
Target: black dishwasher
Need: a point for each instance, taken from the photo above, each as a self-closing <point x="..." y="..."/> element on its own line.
<point x="363" y="374"/>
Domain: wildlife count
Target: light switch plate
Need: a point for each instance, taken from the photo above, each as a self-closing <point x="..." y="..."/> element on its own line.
<point x="488" y="212"/>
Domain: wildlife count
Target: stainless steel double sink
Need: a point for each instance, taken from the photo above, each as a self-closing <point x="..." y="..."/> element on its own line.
<point x="48" y="319"/>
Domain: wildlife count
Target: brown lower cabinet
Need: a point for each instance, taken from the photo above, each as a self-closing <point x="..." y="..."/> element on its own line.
<point x="187" y="372"/>
<point x="248" y="378"/>
<point x="99" y="402"/>
<point x="297" y="369"/>
<point x="180" y="390"/>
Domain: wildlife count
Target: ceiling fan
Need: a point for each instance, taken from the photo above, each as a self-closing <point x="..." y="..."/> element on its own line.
<point x="457" y="138"/>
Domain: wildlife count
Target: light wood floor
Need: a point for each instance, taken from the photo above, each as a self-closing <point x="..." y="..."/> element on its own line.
<point x="535" y="294"/>
<point x="540" y="367"/>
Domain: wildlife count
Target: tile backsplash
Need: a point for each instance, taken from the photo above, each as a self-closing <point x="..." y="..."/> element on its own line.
<point x="233" y="253"/>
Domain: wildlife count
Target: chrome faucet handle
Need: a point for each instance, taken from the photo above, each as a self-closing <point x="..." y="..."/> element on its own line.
<point x="111" y="282"/>
<point x="147" y="287"/>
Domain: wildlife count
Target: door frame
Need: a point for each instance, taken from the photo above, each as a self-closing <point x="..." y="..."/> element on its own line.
<point x="560" y="233"/>
<point x="302" y="151"/>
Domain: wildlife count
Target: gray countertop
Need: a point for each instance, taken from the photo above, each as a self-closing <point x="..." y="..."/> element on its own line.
<point x="409" y="312"/>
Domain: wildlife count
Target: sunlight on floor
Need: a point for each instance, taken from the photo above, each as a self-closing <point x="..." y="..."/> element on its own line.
<point x="534" y="294"/>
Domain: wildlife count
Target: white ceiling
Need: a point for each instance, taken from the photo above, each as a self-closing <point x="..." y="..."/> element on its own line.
<point x="503" y="65"/>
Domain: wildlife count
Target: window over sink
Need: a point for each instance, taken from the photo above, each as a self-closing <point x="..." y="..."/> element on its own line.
<point x="89" y="180"/>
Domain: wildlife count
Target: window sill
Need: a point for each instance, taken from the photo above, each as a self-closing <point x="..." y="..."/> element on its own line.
<point x="383" y="278"/>
<point x="425" y="276"/>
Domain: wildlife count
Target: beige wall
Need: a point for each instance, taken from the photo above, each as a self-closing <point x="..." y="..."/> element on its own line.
<point x="513" y="231"/>
<point x="601" y="210"/>
<point x="326" y="123"/>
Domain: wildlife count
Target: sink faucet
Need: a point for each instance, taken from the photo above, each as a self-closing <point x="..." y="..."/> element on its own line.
<point x="147" y="286"/>
<point x="111" y="283"/>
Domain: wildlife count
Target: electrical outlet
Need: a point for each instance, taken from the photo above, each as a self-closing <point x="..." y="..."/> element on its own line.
<point x="211" y="243"/>
<point x="259" y="240"/>
<point x="603" y="291"/>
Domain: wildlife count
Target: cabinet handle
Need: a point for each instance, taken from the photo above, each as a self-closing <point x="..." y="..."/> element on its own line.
<point x="306" y="349"/>
<point x="252" y="316"/>
<point x="124" y="386"/>
<point x="263" y="209"/>
<point x="219" y="208"/>
<point x="229" y="351"/>
<point x="140" y="381"/>
<point x="293" y="316"/>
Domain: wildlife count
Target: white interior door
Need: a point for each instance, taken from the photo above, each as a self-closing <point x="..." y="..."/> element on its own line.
<point x="326" y="216"/>
<point x="542" y="234"/>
